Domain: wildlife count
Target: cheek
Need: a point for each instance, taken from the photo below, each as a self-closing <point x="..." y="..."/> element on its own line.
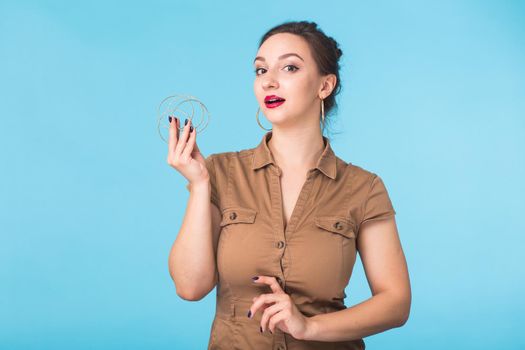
<point x="299" y="94"/>
<point x="299" y="86"/>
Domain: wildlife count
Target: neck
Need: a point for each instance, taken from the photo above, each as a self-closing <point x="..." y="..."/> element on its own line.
<point x="296" y="149"/>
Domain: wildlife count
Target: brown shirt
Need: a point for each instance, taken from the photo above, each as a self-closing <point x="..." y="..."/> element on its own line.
<point x="312" y="258"/>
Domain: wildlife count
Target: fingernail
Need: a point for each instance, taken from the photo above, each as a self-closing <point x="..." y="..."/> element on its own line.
<point x="191" y="128"/>
<point x="260" y="328"/>
<point x="169" y="118"/>
<point x="176" y="120"/>
<point x="269" y="330"/>
<point x="249" y="313"/>
<point x="186" y="121"/>
<point x="255" y="278"/>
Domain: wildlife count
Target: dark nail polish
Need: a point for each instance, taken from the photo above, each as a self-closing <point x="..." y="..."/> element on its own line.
<point x="191" y="128"/>
<point x="169" y="118"/>
<point x="255" y="278"/>
<point x="260" y="328"/>
<point x="270" y="331"/>
<point x="186" y="121"/>
<point x="249" y="313"/>
<point x="176" y="120"/>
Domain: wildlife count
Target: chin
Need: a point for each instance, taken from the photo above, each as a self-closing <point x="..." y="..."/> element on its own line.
<point x="277" y="118"/>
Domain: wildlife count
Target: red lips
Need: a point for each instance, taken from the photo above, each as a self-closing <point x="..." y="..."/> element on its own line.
<point x="273" y="101"/>
<point x="272" y="97"/>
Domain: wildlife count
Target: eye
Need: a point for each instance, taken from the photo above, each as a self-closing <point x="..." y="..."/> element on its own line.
<point x="256" y="70"/>
<point x="291" y="65"/>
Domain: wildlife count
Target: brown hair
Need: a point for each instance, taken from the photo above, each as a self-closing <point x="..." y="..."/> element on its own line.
<point x="325" y="51"/>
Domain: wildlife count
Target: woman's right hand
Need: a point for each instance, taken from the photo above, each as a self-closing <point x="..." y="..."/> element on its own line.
<point x="184" y="154"/>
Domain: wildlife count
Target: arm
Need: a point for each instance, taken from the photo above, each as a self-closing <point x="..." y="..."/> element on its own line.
<point x="192" y="258"/>
<point x="386" y="271"/>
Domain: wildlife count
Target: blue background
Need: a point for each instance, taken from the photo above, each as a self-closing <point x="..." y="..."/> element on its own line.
<point x="433" y="101"/>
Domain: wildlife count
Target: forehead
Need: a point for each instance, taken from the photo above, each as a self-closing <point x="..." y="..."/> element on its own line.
<point x="282" y="43"/>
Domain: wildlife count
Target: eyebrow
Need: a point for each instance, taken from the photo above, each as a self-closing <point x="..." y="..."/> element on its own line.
<point x="280" y="57"/>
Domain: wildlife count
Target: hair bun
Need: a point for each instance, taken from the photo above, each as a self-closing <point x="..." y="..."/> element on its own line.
<point x="335" y="45"/>
<point x="339" y="53"/>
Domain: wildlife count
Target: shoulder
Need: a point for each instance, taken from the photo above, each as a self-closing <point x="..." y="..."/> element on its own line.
<point x="224" y="157"/>
<point x="368" y="195"/>
<point x="362" y="183"/>
<point x="358" y="174"/>
<point x="227" y="156"/>
<point x="223" y="160"/>
<point x="244" y="153"/>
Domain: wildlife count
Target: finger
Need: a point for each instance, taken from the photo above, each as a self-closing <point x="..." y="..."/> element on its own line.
<point x="172" y="138"/>
<point x="268" y="314"/>
<point x="271" y="281"/>
<point x="262" y="300"/>
<point x="275" y="319"/>
<point x="174" y="134"/>
<point x="196" y="154"/>
<point x="181" y="144"/>
<point x="188" y="151"/>
<point x="177" y="125"/>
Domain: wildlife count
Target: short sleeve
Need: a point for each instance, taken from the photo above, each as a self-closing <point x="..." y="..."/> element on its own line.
<point x="214" y="198"/>
<point x="377" y="205"/>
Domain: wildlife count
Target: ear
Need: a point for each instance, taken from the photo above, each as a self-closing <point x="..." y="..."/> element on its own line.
<point x="328" y="85"/>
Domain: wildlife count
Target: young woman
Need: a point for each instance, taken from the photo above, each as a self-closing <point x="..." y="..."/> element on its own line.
<point x="276" y="228"/>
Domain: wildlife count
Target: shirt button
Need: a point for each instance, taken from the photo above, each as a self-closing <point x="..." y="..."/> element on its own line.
<point x="233" y="215"/>
<point x="338" y="225"/>
<point x="280" y="244"/>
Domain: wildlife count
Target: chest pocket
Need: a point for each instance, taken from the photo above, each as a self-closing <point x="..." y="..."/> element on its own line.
<point x="234" y="215"/>
<point x="336" y="224"/>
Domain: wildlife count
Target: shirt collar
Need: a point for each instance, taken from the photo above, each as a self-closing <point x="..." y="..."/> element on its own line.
<point x="326" y="163"/>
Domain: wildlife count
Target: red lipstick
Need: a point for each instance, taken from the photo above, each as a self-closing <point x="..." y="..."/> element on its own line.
<point x="273" y="101"/>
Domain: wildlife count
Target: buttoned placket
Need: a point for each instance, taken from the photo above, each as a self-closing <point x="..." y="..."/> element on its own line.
<point x="281" y="234"/>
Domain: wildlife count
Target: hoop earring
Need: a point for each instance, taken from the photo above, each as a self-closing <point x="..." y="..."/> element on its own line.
<point x="322" y="113"/>
<point x="258" y="122"/>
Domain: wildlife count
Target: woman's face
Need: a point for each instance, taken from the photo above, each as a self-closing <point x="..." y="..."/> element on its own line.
<point x="284" y="67"/>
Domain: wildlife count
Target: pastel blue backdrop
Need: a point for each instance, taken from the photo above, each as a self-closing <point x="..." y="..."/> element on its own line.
<point x="433" y="101"/>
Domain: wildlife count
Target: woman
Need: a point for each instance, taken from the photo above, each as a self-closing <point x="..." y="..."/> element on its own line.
<point x="276" y="227"/>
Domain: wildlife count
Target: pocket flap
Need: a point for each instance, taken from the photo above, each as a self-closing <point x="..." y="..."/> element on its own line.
<point x="234" y="215"/>
<point x="336" y="224"/>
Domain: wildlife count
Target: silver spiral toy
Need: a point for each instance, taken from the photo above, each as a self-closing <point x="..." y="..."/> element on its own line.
<point x="182" y="107"/>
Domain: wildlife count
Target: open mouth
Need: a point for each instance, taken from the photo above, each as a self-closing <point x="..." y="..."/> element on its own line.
<point x="274" y="102"/>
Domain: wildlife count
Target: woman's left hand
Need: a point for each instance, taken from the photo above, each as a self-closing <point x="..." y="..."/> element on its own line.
<point x="283" y="314"/>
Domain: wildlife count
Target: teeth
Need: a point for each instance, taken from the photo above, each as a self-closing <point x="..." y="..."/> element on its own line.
<point x="272" y="101"/>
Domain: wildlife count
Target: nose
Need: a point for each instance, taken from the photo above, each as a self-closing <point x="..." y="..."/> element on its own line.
<point x="269" y="82"/>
